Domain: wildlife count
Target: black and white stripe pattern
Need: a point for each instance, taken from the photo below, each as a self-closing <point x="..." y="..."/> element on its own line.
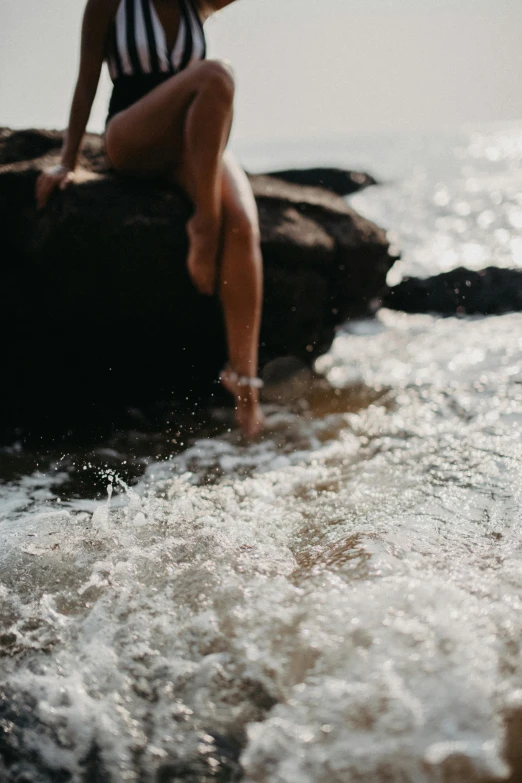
<point x="138" y="44"/>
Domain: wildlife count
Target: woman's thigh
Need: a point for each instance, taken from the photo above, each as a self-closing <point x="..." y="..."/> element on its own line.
<point x="147" y="138"/>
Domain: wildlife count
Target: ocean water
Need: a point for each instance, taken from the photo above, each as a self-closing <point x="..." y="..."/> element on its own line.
<point x="341" y="601"/>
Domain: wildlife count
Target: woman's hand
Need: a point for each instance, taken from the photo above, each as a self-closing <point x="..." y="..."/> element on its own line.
<point x="50" y="180"/>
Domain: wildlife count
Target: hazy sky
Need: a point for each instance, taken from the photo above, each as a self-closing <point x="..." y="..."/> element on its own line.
<point x="304" y="67"/>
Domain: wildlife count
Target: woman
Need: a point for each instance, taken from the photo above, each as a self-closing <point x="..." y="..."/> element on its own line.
<point x="170" y="115"/>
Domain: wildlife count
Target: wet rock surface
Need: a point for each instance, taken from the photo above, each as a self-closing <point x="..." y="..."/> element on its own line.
<point x="335" y="180"/>
<point x="98" y="314"/>
<point x="492" y="291"/>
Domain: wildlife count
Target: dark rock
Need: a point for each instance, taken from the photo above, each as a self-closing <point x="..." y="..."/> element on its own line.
<point x="335" y="180"/>
<point x="492" y="291"/>
<point x="98" y="314"/>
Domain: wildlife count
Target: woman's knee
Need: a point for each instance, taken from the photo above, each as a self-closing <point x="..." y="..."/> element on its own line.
<point x="219" y="78"/>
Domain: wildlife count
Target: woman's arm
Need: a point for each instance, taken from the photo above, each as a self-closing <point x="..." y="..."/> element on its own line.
<point x="96" y="23"/>
<point x="97" y="19"/>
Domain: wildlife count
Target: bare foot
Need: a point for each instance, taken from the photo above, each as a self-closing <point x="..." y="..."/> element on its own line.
<point x="203" y="250"/>
<point x="249" y="416"/>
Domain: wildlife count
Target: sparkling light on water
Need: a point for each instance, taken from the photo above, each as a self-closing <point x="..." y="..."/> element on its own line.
<point x="462" y="208"/>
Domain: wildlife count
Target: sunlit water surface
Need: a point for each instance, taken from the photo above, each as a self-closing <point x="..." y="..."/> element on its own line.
<point x="340" y="602"/>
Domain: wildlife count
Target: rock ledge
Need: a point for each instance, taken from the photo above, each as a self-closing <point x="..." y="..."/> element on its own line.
<point x="98" y="312"/>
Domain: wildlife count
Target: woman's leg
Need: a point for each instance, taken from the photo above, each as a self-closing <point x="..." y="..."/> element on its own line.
<point x="181" y="129"/>
<point x="241" y="289"/>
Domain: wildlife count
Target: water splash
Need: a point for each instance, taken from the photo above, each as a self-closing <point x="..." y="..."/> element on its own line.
<point x="340" y="601"/>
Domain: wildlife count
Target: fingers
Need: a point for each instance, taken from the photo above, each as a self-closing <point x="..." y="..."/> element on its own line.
<point x="46" y="184"/>
<point x="44" y="188"/>
<point x="43" y="191"/>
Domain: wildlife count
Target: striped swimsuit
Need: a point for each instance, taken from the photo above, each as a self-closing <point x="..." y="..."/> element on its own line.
<point x="137" y="55"/>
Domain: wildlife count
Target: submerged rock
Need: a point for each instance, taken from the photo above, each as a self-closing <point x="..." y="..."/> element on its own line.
<point x="491" y="291"/>
<point x="98" y="313"/>
<point x="336" y="180"/>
